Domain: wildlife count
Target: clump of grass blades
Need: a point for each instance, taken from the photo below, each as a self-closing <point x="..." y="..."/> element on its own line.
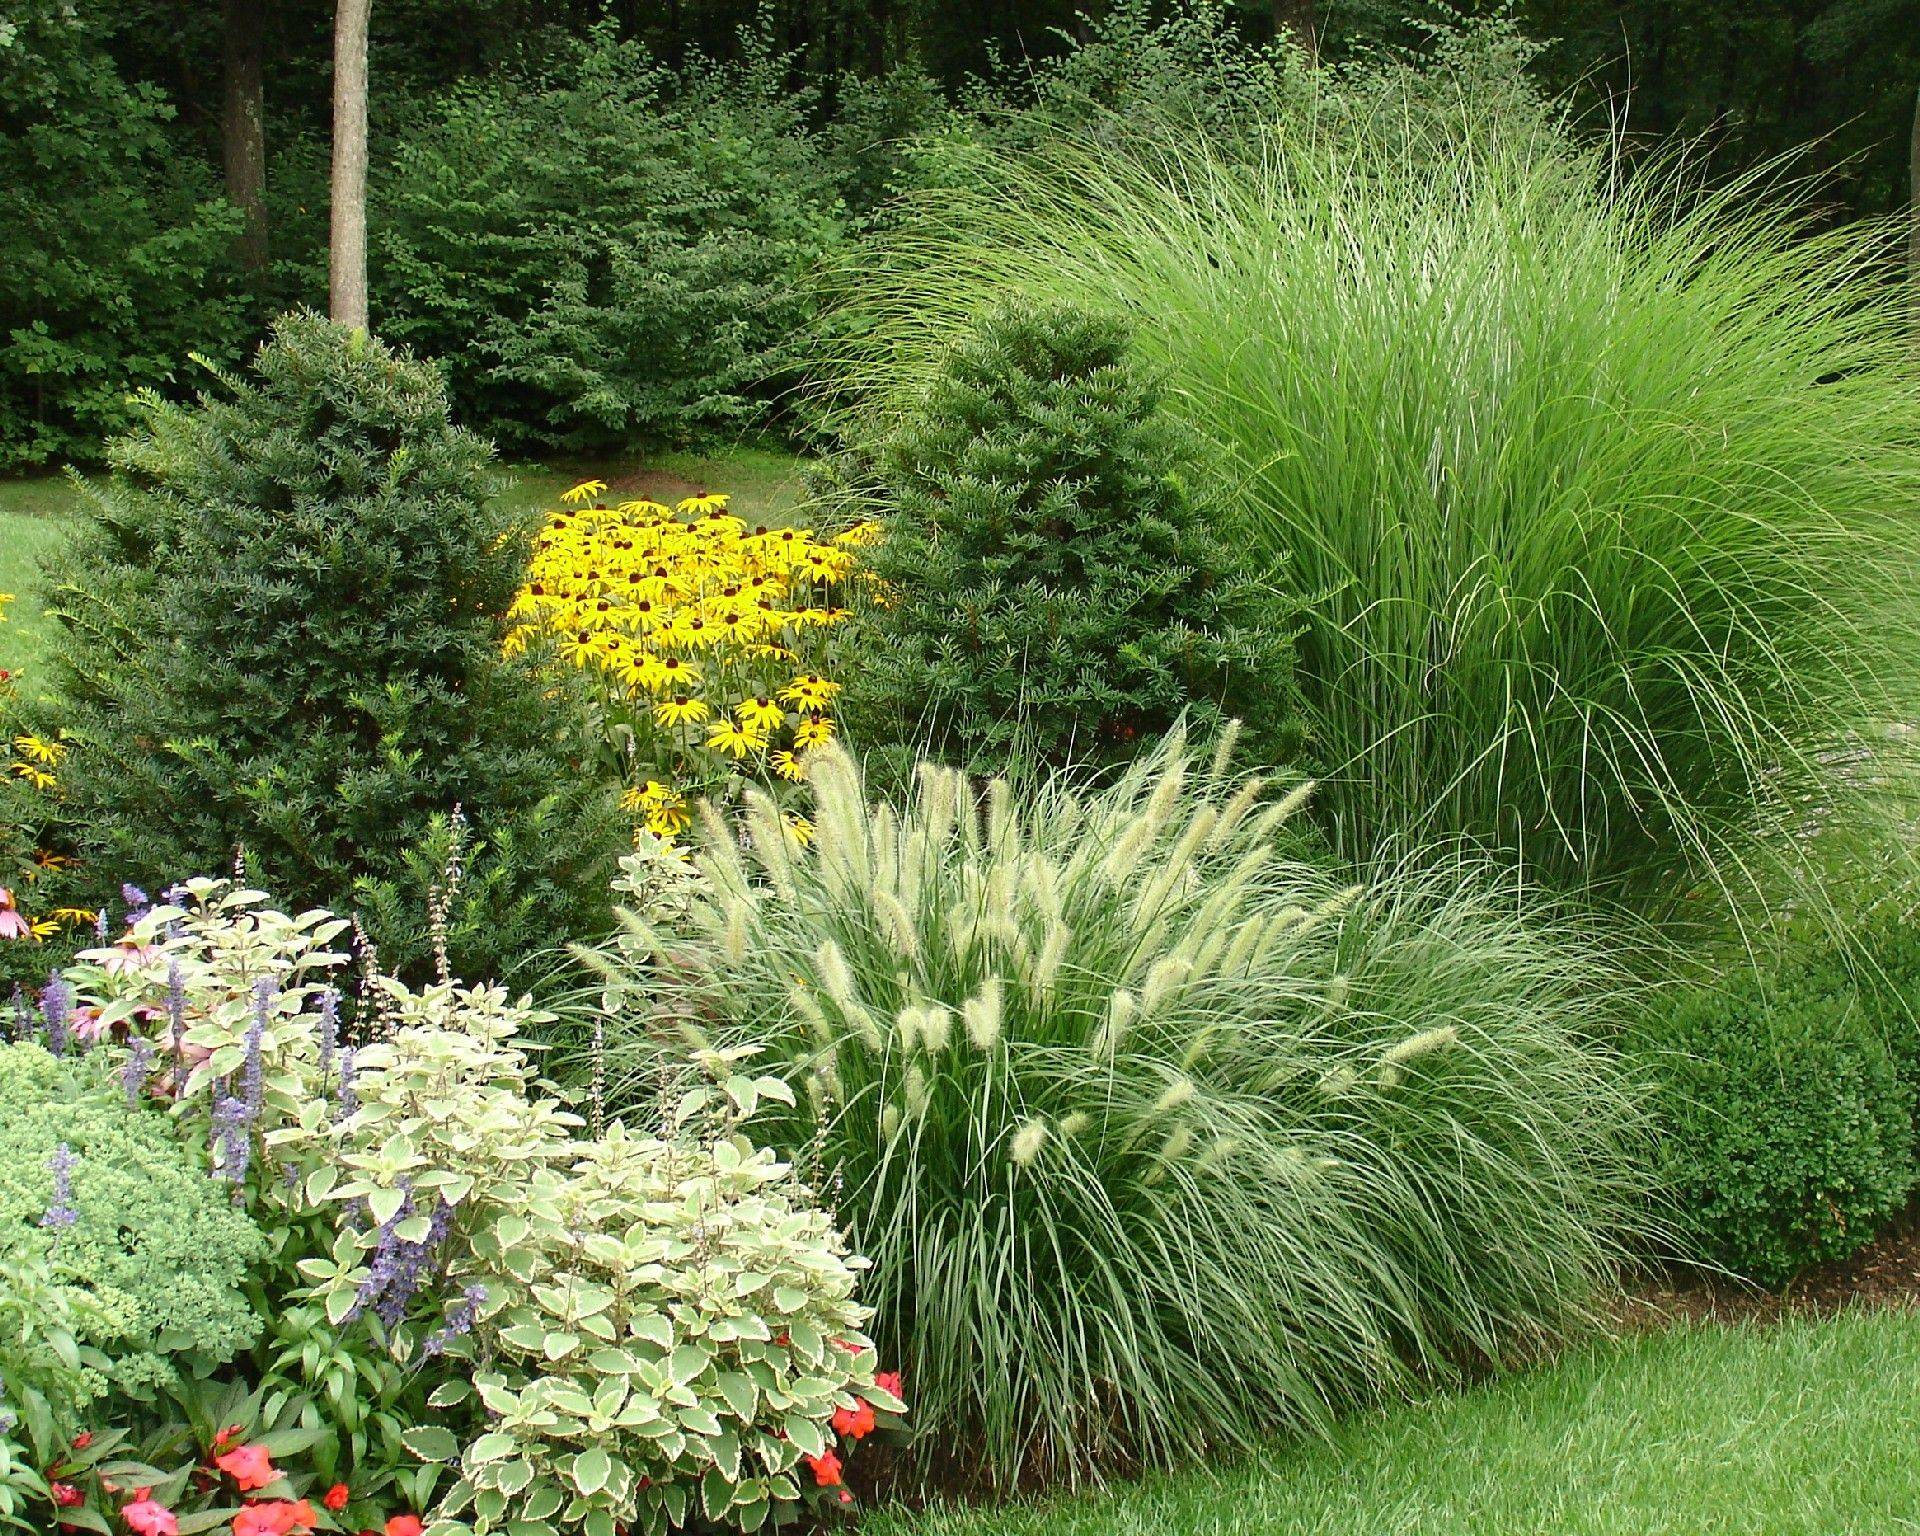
<point x="1158" y="1137"/>
<point x="1598" y="489"/>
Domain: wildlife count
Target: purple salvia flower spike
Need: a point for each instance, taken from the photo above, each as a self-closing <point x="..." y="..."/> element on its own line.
<point x="139" y="1067"/>
<point x="177" y="1017"/>
<point x="253" y="1082"/>
<point x="56" y="1012"/>
<point x="327" y="1027"/>
<point x="349" y="1101"/>
<point x="61" y="1212"/>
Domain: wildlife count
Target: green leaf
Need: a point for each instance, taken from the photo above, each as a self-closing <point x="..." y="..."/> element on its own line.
<point x="716" y="1493"/>
<point x="491" y="1447"/>
<point x="688" y="1361"/>
<point x="513" y="1476"/>
<point x="741" y="1395"/>
<point x="591" y="1469"/>
<point x="430" y="1442"/>
<point x="805" y="1433"/>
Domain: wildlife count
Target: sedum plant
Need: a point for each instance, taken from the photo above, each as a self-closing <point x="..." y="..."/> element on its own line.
<point x="154" y="1254"/>
<point x="1158" y="1135"/>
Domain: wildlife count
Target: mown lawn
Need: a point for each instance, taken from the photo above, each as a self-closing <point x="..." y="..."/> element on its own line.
<point x="1803" y="1429"/>
<point x="764" y="483"/>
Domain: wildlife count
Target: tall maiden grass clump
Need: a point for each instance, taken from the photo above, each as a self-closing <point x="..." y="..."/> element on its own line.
<point x="1158" y="1136"/>
<point x="1597" y="490"/>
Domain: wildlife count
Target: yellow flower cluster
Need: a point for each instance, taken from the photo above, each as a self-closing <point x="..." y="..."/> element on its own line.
<point x="709" y="645"/>
<point x="31" y="759"/>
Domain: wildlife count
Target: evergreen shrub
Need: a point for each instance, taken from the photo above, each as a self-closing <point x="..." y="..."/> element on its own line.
<point x="1052" y="582"/>
<point x="282" y="632"/>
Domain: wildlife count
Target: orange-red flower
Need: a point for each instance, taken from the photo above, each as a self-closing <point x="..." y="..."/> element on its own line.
<point x="826" y="1469"/>
<point x="405" y="1525"/>
<point x="250" y="1466"/>
<point x="854" y="1423"/>
<point x="335" y="1498"/>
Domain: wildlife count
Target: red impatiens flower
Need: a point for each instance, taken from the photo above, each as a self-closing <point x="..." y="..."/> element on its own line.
<point x="405" y="1525"/>
<point x="826" y="1469"/>
<point x="889" y="1382"/>
<point x="335" y="1498"/>
<point x="66" y="1496"/>
<point x="854" y="1423"/>
<point x="251" y="1466"/>
<point x="147" y="1517"/>
<point x="82" y="1440"/>
<point x="274" y="1517"/>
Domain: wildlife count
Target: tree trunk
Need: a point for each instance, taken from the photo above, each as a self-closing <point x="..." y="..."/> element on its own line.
<point x="1913" y="218"/>
<point x="347" y="252"/>
<point x="1296" y="19"/>
<point x="243" y="128"/>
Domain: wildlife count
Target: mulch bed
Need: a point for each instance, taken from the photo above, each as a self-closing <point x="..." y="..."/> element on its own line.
<point x="1886" y="1273"/>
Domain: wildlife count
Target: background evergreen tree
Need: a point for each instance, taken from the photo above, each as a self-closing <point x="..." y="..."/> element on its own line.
<point x="282" y="631"/>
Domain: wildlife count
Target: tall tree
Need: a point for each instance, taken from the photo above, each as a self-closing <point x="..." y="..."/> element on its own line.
<point x="347" y="250"/>
<point x="243" y="128"/>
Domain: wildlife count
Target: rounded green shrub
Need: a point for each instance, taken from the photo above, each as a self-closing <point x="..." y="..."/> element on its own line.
<point x="1157" y="1137"/>
<point x="282" y="631"/>
<point x="1785" y="1132"/>
<point x="1053" y="583"/>
<point x="124" y="1217"/>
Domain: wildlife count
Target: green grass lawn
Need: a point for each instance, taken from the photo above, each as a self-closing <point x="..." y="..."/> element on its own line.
<point x="1803" y="1429"/>
<point x="765" y="486"/>
<point x="33" y="517"/>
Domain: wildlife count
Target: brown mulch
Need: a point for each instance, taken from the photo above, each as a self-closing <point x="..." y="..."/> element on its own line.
<point x="1886" y="1273"/>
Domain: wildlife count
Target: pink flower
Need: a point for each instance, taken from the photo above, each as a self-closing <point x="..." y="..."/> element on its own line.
<point x="147" y="1517"/>
<point x="250" y="1466"/>
<point x="65" y="1495"/>
<point x="86" y="1025"/>
<point x="128" y="955"/>
<point x="275" y="1517"/>
<point x="12" y="924"/>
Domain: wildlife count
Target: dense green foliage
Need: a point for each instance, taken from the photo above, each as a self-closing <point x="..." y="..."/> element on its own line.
<point x="606" y="249"/>
<point x="283" y="626"/>
<point x="526" y="152"/>
<point x="113" y="244"/>
<point x="1786" y="1133"/>
<point x="155" y="1253"/>
<point x="1056" y="588"/>
<point x="1596" y="526"/>
<point x="1795" y="1428"/>
<point x="1157" y="1137"/>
